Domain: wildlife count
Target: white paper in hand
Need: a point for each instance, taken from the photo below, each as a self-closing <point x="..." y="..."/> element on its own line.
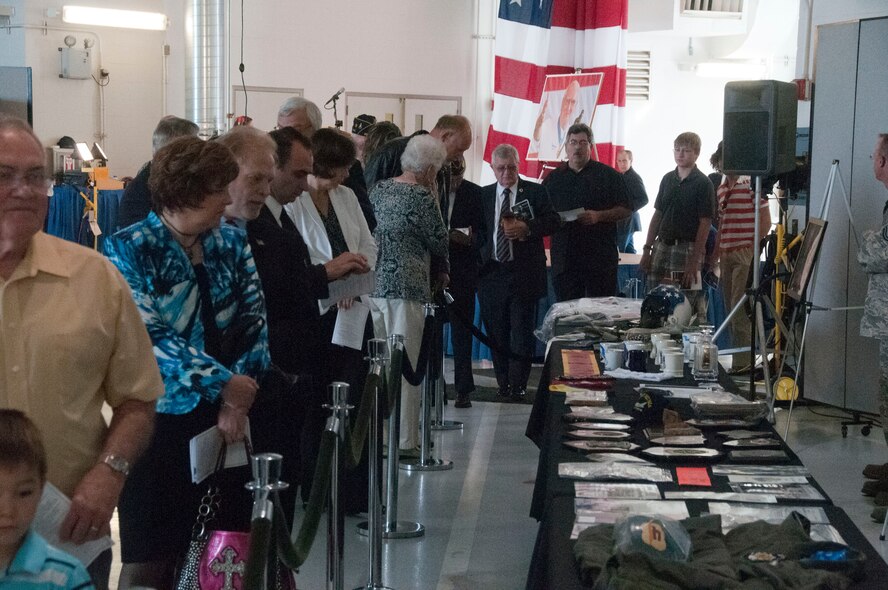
<point x="350" y="323"/>
<point x="51" y="512"/>
<point x="204" y="449"/>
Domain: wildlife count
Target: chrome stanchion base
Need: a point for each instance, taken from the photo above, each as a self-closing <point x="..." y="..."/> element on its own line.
<point x="373" y="587"/>
<point x="403" y="529"/>
<point x="447" y="425"/>
<point x="427" y="465"/>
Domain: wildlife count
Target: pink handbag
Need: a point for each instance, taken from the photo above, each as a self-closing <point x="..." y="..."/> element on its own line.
<point x="217" y="560"/>
<point x="223" y="561"/>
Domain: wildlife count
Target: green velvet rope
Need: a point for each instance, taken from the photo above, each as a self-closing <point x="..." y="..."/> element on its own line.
<point x="357" y="436"/>
<point x="294" y="554"/>
<point x="257" y="559"/>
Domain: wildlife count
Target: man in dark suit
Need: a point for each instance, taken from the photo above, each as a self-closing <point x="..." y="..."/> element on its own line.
<point x="465" y="242"/>
<point x="513" y="271"/>
<point x="305" y="117"/>
<point x="292" y="285"/>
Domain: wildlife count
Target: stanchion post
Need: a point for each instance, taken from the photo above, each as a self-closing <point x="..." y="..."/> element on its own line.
<point x="426" y="462"/>
<point x="377" y="352"/>
<point x="336" y="423"/>
<point x="394" y="528"/>
<point x="266" y="468"/>
<point x="439" y="423"/>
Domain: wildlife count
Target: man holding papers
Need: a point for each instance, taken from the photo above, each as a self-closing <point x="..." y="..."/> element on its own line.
<point x="584" y="251"/>
<point x="516" y="215"/>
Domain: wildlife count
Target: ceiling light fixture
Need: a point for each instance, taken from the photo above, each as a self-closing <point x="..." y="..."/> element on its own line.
<point x="111" y="17"/>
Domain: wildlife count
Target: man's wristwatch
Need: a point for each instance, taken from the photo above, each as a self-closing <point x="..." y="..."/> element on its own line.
<point x="117" y="463"/>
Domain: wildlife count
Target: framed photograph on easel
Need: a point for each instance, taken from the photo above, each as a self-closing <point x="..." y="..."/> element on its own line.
<point x="566" y="99"/>
<point x="807" y="257"/>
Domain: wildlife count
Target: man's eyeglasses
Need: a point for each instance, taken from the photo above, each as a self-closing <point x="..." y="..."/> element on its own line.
<point x="36" y="179"/>
<point x="578" y="143"/>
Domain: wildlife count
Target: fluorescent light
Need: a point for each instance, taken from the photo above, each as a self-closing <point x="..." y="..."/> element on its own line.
<point x="731" y="70"/>
<point x="111" y="17"/>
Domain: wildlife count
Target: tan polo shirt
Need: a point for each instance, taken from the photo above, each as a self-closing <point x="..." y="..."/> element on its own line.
<point x="71" y="338"/>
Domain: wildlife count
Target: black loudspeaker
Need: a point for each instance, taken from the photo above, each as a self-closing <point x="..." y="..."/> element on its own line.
<point x="760" y="127"/>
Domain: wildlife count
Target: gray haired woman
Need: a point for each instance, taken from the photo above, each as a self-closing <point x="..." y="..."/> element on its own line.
<point x="410" y="231"/>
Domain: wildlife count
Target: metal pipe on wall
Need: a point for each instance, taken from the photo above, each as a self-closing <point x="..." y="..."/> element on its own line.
<point x="205" y="65"/>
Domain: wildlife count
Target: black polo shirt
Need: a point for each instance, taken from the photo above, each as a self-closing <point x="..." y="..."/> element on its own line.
<point x="596" y="187"/>
<point x="682" y="203"/>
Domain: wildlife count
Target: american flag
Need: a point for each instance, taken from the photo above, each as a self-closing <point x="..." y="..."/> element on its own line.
<point x="535" y="38"/>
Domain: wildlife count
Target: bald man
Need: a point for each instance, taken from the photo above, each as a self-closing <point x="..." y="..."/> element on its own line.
<point x="548" y="135"/>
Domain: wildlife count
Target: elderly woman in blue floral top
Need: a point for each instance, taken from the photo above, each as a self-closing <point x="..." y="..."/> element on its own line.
<point x="409" y="231"/>
<point x="196" y="287"/>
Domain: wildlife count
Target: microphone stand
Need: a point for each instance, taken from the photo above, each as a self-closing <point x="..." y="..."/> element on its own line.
<point x="338" y="122"/>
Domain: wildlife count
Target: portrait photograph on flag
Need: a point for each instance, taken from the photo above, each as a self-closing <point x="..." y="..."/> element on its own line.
<point x="540" y="47"/>
<point x="566" y="99"/>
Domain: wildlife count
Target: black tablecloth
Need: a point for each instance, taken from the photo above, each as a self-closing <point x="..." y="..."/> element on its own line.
<point x="553" y="564"/>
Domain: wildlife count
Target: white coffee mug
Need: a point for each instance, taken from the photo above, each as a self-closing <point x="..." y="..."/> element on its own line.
<point x="673" y="363"/>
<point x="613" y="358"/>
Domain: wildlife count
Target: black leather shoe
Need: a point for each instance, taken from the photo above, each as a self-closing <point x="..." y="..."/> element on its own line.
<point x="503" y="392"/>
<point x="519" y="395"/>
<point x="462" y="401"/>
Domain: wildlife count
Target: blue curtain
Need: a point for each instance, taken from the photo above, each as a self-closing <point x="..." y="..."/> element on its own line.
<point x="66" y="214"/>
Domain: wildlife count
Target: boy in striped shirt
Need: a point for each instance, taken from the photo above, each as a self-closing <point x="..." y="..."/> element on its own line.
<point x="734" y="245"/>
<point x="27" y="562"/>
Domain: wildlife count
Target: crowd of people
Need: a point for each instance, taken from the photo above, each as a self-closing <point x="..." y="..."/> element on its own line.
<point x="212" y="306"/>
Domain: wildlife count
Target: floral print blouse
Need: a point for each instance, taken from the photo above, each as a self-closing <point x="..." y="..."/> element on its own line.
<point x="408" y="233"/>
<point x="165" y="289"/>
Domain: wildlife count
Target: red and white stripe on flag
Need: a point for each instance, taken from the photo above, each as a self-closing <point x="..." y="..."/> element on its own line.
<point x="536" y="38"/>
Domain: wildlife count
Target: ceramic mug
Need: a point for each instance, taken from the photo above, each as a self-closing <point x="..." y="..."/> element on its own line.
<point x="673" y="362"/>
<point x="636" y="360"/>
<point x="613" y="357"/>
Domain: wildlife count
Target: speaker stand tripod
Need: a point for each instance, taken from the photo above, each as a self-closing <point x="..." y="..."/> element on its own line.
<point x="760" y="340"/>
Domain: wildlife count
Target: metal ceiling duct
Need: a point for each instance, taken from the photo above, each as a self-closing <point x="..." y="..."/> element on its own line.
<point x="205" y="65"/>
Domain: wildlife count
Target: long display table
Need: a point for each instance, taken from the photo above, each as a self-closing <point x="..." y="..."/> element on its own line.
<point x="553" y="564"/>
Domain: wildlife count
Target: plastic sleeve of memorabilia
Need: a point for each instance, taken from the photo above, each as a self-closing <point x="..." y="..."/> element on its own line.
<point x="769" y="479"/>
<point x="784" y="491"/>
<point x="597" y="471"/>
<point x="723" y="496"/>
<point x="760" y="470"/>
<point x="616" y="458"/>
<point x="617" y="491"/>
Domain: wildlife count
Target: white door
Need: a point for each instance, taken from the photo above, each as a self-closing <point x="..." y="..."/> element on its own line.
<point x="261" y="103"/>
<point x="385" y="107"/>
<point x="423" y="113"/>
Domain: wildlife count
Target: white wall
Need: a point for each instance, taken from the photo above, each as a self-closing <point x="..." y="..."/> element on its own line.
<point x="389" y="46"/>
<point x="418" y="47"/>
<point x="682" y="101"/>
<point x="72" y="107"/>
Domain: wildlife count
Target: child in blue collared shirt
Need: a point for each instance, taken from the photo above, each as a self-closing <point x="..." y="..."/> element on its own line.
<point x="26" y="560"/>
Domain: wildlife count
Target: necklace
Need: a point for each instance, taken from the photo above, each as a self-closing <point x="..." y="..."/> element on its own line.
<point x="189" y="248"/>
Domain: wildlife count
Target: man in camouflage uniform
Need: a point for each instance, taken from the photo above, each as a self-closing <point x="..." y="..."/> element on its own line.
<point x="873" y="256"/>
